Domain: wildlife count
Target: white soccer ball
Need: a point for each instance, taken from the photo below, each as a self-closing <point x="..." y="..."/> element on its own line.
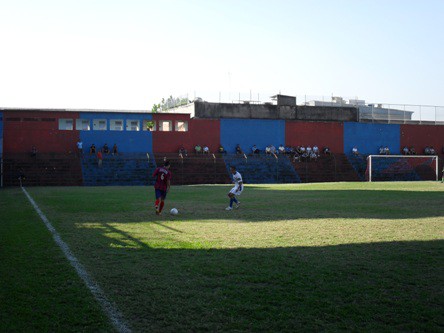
<point x="174" y="211"/>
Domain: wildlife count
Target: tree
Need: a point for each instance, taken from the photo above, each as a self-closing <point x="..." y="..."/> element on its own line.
<point x="170" y="103"/>
<point x="156" y="108"/>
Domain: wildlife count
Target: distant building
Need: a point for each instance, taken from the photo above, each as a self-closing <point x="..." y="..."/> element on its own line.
<point x="367" y="112"/>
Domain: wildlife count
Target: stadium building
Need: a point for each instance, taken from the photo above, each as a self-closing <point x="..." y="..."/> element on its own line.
<point x="146" y="139"/>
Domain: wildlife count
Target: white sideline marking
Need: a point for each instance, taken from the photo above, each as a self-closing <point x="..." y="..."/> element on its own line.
<point x="110" y="310"/>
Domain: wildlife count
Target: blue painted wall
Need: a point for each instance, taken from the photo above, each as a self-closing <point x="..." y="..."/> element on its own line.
<point x="369" y="137"/>
<point x="127" y="141"/>
<point x="1" y="133"/>
<point x="249" y="132"/>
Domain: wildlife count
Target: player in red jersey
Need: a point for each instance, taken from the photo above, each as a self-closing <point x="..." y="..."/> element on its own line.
<point x="162" y="185"/>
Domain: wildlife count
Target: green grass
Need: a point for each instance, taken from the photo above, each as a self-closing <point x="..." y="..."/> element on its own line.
<point x="39" y="290"/>
<point x="305" y="257"/>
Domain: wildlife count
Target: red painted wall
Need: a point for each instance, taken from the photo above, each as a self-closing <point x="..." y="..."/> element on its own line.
<point x="420" y="136"/>
<point x="39" y="129"/>
<point x="200" y="131"/>
<point x="330" y="134"/>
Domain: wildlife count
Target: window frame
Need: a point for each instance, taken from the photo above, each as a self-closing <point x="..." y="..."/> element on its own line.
<point x="129" y="125"/>
<point x="96" y="124"/>
<point x="170" y="125"/>
<point x="145" y="125"/>
<point x="185" y="124"/>
<point x="65" y="121"/>
<point x="80" y="122"/>
<point x="113" y="125"/>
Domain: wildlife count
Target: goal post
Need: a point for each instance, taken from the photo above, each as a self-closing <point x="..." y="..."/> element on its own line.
<point x="402" y="167"/>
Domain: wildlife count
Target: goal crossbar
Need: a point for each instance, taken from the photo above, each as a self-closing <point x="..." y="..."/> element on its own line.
<point x="371" y="157"/>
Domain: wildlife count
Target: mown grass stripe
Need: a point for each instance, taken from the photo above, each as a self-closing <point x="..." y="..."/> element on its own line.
<point x="110" y="310"/>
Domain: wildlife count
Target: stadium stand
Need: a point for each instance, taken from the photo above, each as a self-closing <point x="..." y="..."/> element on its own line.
<point x="201" y="169"/>
<point x="124" y="169"/>
<point x="330" y="168"/>
<point x="45" y="169"/>
<point x="263" y="169"/>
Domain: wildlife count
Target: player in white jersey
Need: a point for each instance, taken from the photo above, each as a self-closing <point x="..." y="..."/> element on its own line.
<point x="236" y="190"/>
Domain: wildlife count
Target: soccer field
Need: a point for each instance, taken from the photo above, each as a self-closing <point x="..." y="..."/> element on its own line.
<point x="296" y="257"/>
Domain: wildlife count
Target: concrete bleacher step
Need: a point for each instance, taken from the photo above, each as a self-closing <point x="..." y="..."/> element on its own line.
<point x="263" y="169"/>
<point x="359" y="163"/>
<point x="402" y="169"/>
<point x="125" y="169"/>
<point x="195" y="169"/>
<point x="43" y="170"/>
<point x="327" y="168"/>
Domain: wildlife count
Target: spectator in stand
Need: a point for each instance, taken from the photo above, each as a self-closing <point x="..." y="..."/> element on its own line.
<point x="308" y="150"/>
<point x="355" y="151"/>
<point x="281" y="149"/>
<point x="183" y="151"/>
<point x="21" y="176"/>
<point x="304" y="154"/>
<point x="302" y="150"/>
<point x="316" y="150"/>
<point x="298" y="150"/>
<point x="115" y="150"/>
<point x="296" y="156"/>
<point x="80" y="147"/>
<point x="239" y="149"/>
<point x="289" y="150"/>
<point x="272" y="149"/>
<point x="405" y="151"/>
<point x="206" y="150"/>
<point x="34" y="151"/>
<point x="255" y="150"/>
<point x="313" y="156"/>
<point x="222" y="150"/>
<point x="268" y="150"/>
<point x="99" y="159"/>
<point x="92" y="149"/>
<point x="412" y="150"/>
<point x="427" y="150"/>
<point x="381" y="150"/>
<point x="386" y="150"/>
<point x="432" y="150"/>
<point x="105" y="149"/>
<point x="327" y="151"/>
<point x="197" y="149"/>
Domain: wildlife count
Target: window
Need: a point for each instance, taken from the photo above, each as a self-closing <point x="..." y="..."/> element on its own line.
<point x="82" y="125"/>
<point x="132" y="125"/>
<point x="165" y="126"/>
<point x="66" y="124"/>
<point x="99" y="125"/>
<point x="149" y="125"/>
<point x="116" y="125"/>
<point x="181" y="126"/>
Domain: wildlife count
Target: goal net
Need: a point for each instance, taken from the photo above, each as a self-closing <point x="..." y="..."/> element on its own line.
<point x="401" y="168"/>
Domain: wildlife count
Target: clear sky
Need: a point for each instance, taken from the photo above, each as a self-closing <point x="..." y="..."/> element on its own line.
<point x="128" y="54"/>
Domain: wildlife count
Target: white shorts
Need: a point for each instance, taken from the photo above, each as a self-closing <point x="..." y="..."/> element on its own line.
<point x="236" y="191"/>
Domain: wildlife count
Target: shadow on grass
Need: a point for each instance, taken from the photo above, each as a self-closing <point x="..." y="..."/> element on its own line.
<point x="389" y="286"/>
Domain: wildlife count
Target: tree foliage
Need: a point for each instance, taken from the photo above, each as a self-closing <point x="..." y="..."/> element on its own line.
<point x="169" y="103"/>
